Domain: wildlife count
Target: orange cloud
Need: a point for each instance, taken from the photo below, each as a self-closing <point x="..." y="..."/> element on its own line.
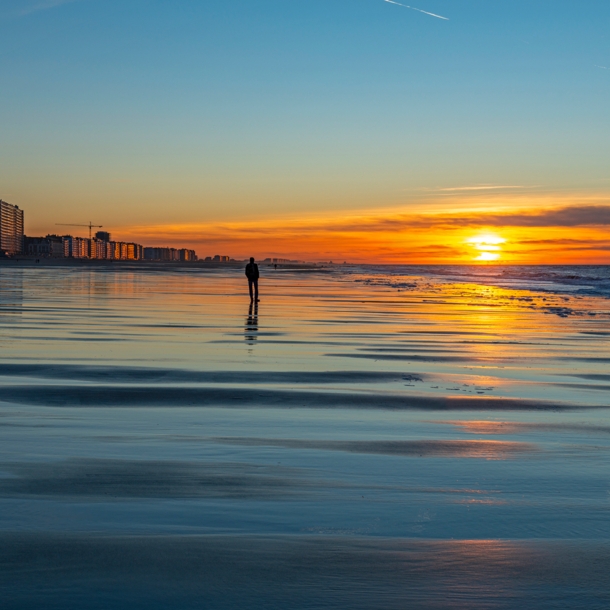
<point x="565" y="234"/>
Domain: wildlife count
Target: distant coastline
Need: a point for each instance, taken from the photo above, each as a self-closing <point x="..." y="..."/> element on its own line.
<point x="32" y="261"/>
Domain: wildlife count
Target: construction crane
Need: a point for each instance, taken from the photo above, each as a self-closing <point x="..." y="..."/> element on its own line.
<point x="91" y="226"/>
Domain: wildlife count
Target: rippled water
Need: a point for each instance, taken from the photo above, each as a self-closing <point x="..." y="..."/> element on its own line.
<point x="574" y="280"/>
<point x="364" y="438"/>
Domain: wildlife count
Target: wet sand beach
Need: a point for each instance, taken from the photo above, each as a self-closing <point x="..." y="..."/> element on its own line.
<point x="363" y="438"/>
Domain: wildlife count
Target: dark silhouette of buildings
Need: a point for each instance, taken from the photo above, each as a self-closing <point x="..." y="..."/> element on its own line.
<point x="44" y="247"/>
<point x="169" y="254"/>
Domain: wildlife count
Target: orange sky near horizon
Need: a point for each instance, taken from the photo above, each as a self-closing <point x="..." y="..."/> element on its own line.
<point x="565" y="234"/>
<point x="460" y="225"/>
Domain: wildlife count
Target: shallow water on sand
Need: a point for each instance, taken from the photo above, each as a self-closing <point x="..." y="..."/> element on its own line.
<point x="357" y="440"/>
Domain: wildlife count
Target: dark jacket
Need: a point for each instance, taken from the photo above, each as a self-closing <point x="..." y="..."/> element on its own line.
<point x="252" y="271"/>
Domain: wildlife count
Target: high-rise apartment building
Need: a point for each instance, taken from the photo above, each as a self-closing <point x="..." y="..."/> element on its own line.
<point x="98" y="248"/>
<point x="76" y="247"/>
<point x="11" y="228"/>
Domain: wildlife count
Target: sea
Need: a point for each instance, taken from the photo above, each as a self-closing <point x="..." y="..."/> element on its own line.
<point x="366" y="437"/>
<point x="582" y="280"/>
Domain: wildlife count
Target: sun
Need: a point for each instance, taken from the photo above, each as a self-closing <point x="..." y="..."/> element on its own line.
<point x="488" y="246"/>
<point x="487" y="256"/>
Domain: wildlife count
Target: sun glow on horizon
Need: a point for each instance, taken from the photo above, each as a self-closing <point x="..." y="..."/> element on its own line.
<point x="487" y="256"/>
<point x="488" y="246"/>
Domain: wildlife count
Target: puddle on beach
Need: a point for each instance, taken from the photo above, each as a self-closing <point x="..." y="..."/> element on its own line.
<point x="349" y="442"/>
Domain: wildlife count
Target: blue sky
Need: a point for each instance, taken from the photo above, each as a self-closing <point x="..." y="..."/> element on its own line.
<point x="169" y="112"/>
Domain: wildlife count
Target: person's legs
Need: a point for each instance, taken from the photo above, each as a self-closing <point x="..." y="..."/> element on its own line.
<point x="250" y="282"/>
<point x="256" y="290"/>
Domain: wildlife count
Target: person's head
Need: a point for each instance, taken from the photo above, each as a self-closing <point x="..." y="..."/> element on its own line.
<point x="251" y="259"/>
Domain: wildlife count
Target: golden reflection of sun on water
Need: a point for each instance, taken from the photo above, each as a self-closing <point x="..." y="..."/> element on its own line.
<point x="487" y="246"/>
<point x="485" y="426"/>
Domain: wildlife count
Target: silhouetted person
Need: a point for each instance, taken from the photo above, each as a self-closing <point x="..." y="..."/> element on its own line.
<point x="252" y="275"/>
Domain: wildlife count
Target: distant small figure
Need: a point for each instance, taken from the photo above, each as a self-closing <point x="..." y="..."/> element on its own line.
<point x="252" y="275"/>
<point x="275" y="266"/>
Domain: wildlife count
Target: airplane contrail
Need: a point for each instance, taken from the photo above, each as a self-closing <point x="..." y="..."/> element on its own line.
<point x="417" y="9"/>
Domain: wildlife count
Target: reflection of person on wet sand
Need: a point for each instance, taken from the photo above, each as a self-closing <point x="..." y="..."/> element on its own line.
<point x="252" y="275"/>
<point x="251" y="323"/>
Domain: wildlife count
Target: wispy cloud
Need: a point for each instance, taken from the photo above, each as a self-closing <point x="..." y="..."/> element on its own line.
<point x="568" y="216"/>
<point x="45" y="5"/>
<point x="481" y="187"/>
<point x="417" y="9"/>
<point x="564" y="242"/>
<point x="602" y="67"/>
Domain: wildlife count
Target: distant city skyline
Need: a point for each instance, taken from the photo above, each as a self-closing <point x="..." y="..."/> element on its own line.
<point x="99" y="247"/>
<point x="15" y="243"/>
